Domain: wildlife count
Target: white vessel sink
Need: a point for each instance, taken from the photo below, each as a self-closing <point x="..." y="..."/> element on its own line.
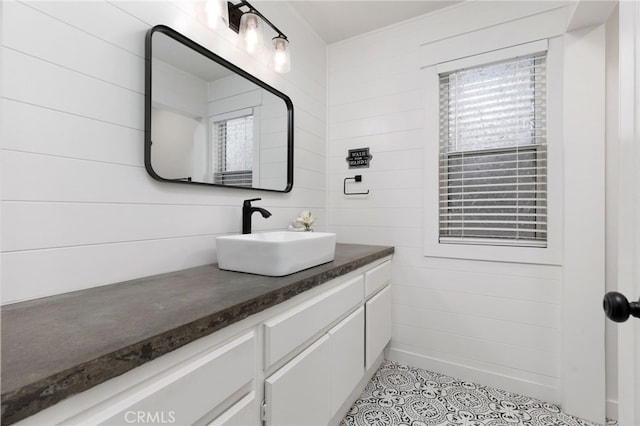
<point x="275" y="253"/>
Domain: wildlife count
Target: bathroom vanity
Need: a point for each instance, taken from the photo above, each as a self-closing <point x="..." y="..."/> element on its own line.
<point x="202" y="346"/>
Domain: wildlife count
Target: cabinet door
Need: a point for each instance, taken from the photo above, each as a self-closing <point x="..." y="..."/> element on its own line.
<point x="347" y="357"/>
<point x="378" y="324"/>
<point x="298" y="393"/>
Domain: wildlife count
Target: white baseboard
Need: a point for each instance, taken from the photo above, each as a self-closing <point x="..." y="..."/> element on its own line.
<point x="512" y="384"/>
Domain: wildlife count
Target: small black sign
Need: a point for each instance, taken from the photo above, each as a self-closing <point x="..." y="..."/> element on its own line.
<point x="359" y="158"/>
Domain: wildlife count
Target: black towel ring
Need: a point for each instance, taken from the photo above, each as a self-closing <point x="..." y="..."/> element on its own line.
<point x="357" y="178"/>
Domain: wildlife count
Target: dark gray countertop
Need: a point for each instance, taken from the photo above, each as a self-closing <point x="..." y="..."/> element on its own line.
<point x="58" y="346"/>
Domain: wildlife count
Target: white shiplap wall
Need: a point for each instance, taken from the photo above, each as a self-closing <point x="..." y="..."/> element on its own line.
<point x="496" y="323"/>
<point x="78" y="208"/>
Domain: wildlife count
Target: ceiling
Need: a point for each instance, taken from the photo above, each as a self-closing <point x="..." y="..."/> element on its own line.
<point x="168" y="50"/>
<point x="338" y="20"/>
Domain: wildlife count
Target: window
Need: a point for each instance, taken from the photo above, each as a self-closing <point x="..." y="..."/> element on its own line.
<point x="493" y="154"/>
<point x="233" y="151"/>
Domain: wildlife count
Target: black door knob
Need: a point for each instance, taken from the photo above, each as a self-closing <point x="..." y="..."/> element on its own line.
<point x="618" y="308"/>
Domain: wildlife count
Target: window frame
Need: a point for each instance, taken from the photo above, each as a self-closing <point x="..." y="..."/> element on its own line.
<point x="432" y="247"/>
<point x="213" y="148"/>
<point x="527" y="150"/>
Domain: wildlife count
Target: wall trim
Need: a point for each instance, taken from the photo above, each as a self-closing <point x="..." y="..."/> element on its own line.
<point x="512" y="384"/>
<point x="612" y="409"/>
<point x="583" y="343"/>
<point x="554" y="252"/>
<point x="482" y="40"/>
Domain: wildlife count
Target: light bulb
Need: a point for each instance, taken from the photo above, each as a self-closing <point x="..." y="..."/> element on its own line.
<point x="281" y="56"/>
<point x="250" y="32"/>
<point x="251" y="39"/>
<point x="214" y="12"/>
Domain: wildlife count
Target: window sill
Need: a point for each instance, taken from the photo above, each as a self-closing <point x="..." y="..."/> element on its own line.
<point x="512" y="254"/>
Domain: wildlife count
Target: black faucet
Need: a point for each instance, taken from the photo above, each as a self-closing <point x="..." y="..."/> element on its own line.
<point x="248" y="211"/>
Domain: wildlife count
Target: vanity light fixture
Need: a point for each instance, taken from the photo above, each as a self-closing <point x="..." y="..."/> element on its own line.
<point x="281" y="56"/>
<point x="251" y="37"/>
<point x="215" y="11"/>
<point x="248" y="22"/>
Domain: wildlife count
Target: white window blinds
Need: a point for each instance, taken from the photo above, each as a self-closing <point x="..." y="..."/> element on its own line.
<point x="233" y="152"/>
<point x="493" y="154"/>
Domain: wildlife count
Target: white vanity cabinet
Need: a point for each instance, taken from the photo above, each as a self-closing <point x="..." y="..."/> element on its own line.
<point x="182" y="387"/>
<point x="313" y="386"/>
<point x="310" y="388"/>
<point x="301" y="362"/>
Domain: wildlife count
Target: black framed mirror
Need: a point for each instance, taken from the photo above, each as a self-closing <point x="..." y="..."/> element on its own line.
<point x="208" y="122"/>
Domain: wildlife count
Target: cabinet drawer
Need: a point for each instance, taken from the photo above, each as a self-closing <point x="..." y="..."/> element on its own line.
<point x="376" y="278"/>
<point x="183" y="393"/>
<point x="378" y="325"/>
<point x="290" y="330"/>
<point x="242" y="413"/>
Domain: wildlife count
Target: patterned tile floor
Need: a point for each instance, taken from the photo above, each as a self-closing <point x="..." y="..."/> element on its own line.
<point x="398" y="395"/>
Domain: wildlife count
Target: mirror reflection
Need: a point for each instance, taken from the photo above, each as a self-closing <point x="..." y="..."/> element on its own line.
<point x="209" y="122"/>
